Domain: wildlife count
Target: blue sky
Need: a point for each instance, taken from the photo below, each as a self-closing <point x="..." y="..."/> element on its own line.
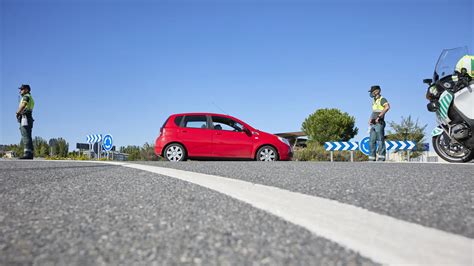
<point x="122" y="67"/>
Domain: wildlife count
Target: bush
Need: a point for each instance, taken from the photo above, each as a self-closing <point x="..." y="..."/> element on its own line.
<point x="329" y="125"/>
<point x="56" y="157"/>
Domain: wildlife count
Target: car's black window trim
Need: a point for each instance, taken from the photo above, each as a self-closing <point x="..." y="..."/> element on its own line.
<point x="180" y="121"/>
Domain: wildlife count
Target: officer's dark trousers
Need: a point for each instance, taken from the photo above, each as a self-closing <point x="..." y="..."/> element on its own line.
<point x="26" y="137"/>
<point x="377" y="141"/>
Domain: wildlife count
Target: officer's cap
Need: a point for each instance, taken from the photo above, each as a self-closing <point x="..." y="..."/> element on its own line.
<point x="375" y="87"/>
<point x="25" y="86"/>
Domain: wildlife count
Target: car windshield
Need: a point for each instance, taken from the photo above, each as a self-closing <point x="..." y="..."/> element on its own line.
<point x="447" y="62"/>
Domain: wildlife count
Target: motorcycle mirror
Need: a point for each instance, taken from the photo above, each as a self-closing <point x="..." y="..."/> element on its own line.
<point x="428" y="81"/>
<point x="432" y="107"/>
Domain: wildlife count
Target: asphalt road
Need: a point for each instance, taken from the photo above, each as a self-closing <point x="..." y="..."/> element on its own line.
<point x="434" y="195"/>
<point x="94" y="214"/>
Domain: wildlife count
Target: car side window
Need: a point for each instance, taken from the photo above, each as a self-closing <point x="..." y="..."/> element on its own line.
<point x="224" y="123"/>
<point x="195" y="121"/>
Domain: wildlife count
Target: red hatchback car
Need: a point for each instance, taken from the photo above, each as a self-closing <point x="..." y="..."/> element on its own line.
<point x="206" y="135"/>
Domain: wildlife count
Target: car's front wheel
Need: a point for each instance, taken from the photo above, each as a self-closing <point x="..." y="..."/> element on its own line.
<point x="175" y="153"/>
<point x="266" y="154"/>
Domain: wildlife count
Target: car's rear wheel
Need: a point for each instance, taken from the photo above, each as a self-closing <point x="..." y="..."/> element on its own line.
<point x="175" y="153"/>
<point x="266" y="154"/>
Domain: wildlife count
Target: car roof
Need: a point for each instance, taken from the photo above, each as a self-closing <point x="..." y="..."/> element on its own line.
<point x="211" y="114"/>
<point x="200" y="114"/>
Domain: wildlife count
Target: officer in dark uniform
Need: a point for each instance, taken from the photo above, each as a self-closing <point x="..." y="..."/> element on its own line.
<point x="24" y="116"/>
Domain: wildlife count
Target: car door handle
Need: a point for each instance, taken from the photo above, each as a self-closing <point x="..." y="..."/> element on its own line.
<point x="219" y="134"/>
<point x="184" y="131"/>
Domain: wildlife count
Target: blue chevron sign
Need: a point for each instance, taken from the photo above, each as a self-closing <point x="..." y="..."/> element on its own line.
<point x="390" y="145"/>
<point x="341" y="146"/>
<point x="402" y="145"/>
<point x="94" y="138"/>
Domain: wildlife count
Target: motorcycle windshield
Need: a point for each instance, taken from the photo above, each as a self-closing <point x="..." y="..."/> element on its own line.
<point x="447" y="62"/>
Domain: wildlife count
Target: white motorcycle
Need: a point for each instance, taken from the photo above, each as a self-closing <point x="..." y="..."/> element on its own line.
<point x="451" y="97"/>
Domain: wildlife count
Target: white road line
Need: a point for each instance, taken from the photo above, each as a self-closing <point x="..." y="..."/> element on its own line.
<point x="381" y="238"/>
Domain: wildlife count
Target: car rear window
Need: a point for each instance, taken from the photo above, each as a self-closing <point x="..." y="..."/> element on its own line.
<point x="177" y="120"/>
<point x="195" y="121"/>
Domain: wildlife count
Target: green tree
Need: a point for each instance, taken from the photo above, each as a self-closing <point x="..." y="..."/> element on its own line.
<point x="408" y="130"/>
<point x="41" y="147"/>
<point x="62" y="147"/>
<point x="147" y="152"/>
<point x="59" y="147"/>
<point x="132" y="151"/>
<point x="329" y="125"/>
<point x="137" y="153"/>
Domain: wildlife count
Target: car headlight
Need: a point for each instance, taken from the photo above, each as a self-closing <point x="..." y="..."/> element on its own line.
<point x="284" y="141"/>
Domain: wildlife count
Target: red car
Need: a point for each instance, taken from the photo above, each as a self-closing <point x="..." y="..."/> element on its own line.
<point x="206" y="135"/>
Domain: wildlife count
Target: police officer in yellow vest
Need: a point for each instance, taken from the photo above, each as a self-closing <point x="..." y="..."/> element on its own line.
<point x="24" y="116"/>
<point x="380" y="107"/>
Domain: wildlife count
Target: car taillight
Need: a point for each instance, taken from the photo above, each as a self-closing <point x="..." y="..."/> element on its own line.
<point x="162" y="131"/>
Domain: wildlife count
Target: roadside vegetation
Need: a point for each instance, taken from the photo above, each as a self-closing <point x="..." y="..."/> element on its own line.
<point x="137" y="153"/>
<point x="408" y="129"/>
<point x="327" y="125"/>
<point x="334" y="125"/>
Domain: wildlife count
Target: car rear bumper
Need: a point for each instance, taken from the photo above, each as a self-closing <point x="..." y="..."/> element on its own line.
<point x="159" y="145"/>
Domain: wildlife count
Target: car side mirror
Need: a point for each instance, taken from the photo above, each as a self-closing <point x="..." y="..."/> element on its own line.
<point x="428" y="81"/>
<point x="247" y="131"/>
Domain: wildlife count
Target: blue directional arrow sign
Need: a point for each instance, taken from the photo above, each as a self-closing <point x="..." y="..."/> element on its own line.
<point x="341" y="146"/>
<point x="397" y="145"/>
<point x="108" y="142"/>
<point x="364" y="145"/>
<point x="94" y="138"/>
<point x="390" y="145"/>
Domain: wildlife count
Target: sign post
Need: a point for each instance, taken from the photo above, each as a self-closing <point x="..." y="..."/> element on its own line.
<point x="92" y="139"/>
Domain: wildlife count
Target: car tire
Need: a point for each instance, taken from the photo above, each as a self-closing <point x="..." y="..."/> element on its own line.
<point x="266" y="154"/>
<point x="175" y="153"/>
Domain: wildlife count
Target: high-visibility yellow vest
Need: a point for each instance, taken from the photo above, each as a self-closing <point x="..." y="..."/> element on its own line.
<point x="376" y="106"/>
<point x="467" y="62"/>
<point x="30" y="104"/>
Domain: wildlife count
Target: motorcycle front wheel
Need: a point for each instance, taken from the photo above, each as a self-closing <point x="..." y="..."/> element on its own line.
<point x="450" y="150"/>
